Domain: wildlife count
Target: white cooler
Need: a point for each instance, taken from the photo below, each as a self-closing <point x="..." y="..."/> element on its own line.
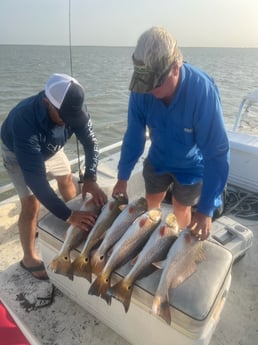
<point x="196" y="304"/>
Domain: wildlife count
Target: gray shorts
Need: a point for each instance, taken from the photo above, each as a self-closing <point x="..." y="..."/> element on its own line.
<point x="58" y="165"/>
<point x="187" y="195"/>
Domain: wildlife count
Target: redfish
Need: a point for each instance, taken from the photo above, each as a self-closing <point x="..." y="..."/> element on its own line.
<point x="154" y="251"/>
<point x="125" y="249"/>
<point x="180" y="264"/>
<point x="115" y="232"/>
<point x="81" y="265"/>
<point x="62" y="263"/>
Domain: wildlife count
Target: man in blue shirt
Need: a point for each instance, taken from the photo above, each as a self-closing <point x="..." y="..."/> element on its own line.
<point x="33" y="136"/>
<point x="181" y="108"/>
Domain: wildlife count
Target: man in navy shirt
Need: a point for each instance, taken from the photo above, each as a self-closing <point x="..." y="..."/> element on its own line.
<point x="180" y="107"/>
<point x="33" y="136"/>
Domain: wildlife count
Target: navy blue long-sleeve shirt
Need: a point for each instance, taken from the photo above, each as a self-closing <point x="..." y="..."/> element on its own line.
<point x="29" y="132"/>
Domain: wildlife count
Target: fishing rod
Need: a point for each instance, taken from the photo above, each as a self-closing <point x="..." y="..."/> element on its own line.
<point x="80" y="172"/>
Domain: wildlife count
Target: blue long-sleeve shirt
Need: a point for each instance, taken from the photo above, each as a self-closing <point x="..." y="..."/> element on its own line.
<point x="188" y="136"/>
<point x="29" y="132"/>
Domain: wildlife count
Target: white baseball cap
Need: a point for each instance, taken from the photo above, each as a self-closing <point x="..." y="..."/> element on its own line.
<point x="67" y="96"/>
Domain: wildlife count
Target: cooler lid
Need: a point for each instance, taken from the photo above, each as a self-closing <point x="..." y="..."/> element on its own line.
<point x="196" y="296"/>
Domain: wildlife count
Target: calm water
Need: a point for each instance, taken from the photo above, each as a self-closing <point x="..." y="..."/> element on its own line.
<point x="105" y="74"/>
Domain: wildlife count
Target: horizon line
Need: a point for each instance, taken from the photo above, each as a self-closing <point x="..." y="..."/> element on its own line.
<point x="114" y="46"/>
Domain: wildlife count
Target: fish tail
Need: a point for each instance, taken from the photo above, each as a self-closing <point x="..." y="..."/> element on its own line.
<point x="122" y="291"/>
<point x="161" y="308"/>
<point x="81" y="267"/>
<point x="107" y="297"/>
<point x="62" y="264"/>
<point x="97" y="263"/>
<point x="100" y="286"/>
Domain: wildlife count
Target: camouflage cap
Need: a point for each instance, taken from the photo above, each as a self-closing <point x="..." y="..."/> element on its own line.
<point x="154" y="55"/>
<point x="146" y="78"/>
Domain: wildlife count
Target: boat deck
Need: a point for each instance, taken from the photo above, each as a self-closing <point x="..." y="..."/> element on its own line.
<point x="64" y="322"/>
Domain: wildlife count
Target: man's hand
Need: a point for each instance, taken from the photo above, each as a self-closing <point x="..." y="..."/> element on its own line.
<point x="99" y="197"/>
<point x="200" y="225"/>
<point x="120" y="188"/>
<point x="83" y="220"/>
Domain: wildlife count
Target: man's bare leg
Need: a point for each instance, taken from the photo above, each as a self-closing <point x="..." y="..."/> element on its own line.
<point x="27" y="224"/>
<point x="154" y="200"/>
<point x="183" y="214"/>
<point x="66" y="187"/>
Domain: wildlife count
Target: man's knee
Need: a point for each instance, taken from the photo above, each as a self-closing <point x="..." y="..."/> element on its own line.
<point x="66" y="186"/>
<point x="30" y="206"/>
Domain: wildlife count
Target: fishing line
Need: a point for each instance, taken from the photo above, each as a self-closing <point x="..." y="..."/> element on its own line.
<point x="71" y="71"/>
<point x="70" y="40"/>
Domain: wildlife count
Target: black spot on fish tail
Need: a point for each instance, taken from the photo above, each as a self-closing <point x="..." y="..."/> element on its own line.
<point x="62" y="265"/>
<point x="82" y="268"/>
<point x="100" y="286"/>
<point x="97" y="263"/>
<point x="123" y="293"/>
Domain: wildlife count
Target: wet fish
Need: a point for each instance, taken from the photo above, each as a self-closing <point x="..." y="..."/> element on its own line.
<point x="180" y="264"/>
<point x="125" y="249"/>
<point x="62" y="263"/>
<point x="81" y="265"/>
<point x="115" y="232"/>
<point x="154" y="250"/>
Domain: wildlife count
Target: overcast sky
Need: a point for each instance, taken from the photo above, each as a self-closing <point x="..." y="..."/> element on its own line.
<point x="195" y="23"/>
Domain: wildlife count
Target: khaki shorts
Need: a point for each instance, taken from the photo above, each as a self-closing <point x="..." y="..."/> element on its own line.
<point x="187" y="195"/>
<point x="58" y="165"/>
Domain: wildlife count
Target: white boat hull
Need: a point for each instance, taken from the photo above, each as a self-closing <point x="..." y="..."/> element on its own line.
<point x="243" y="161"/>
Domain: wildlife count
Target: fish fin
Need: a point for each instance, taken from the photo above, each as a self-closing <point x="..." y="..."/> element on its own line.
<point x="122" y="292"/>
<point x="200" y="255"/>
<point x="179" y="279"/>
<point x="100" y="286"/>
<point x="81" y="267"/>
<point x="161" y="308"/>
<point x="107" y="297"/>
<point x="160" y="264"/>
<point x="148" y="270"/>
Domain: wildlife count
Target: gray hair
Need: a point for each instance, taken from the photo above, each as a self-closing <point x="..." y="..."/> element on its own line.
<point x="157" y="46"/>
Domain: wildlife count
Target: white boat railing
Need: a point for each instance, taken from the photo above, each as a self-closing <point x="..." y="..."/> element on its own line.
<point x="248" y="100"/>
<point x="8" y="187"/>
